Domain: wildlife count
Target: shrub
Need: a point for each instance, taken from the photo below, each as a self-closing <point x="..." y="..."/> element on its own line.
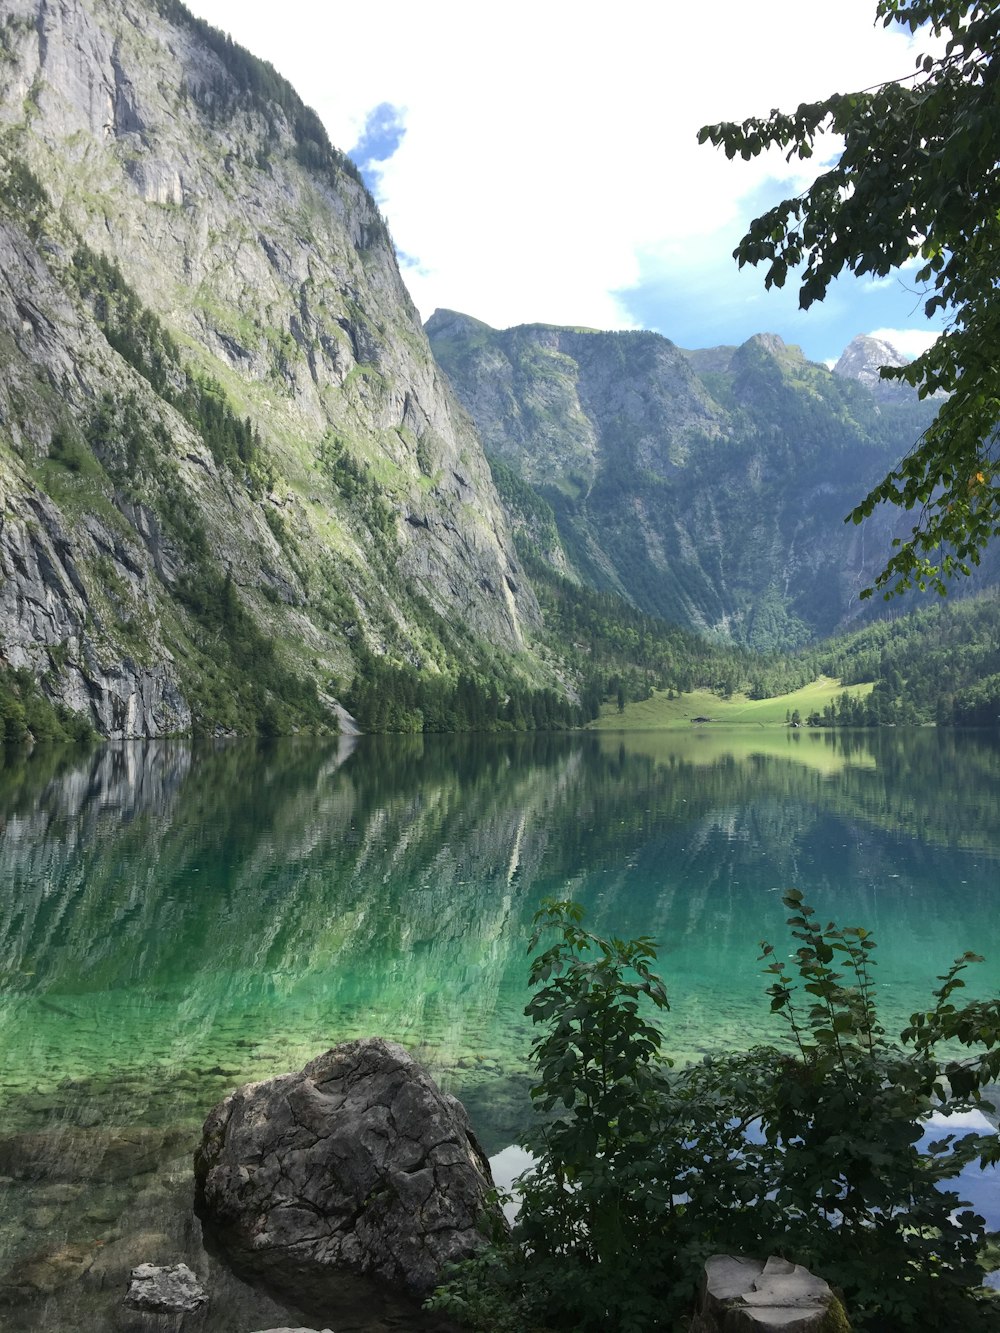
<point x="807" y="1150"/>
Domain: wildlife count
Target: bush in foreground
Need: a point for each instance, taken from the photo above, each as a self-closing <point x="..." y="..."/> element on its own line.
<point x="807" y="1150"/>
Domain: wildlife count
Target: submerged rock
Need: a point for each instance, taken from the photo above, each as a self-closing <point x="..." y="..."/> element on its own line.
<point x="357" y="1165"/>
<point x="45" y="1272"/>
<point x="91" y="1155"/>
<point x="168" y="1290"/>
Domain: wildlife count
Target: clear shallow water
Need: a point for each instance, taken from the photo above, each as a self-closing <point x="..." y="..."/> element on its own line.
<point x="177" y="920"/>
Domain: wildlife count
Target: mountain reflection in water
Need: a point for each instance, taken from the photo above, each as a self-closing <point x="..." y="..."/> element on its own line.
<point x="177" y="919"/>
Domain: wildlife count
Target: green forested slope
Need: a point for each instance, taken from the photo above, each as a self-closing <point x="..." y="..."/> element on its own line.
<point x="940" y="664"/>
<point x="708" y="487"/>
<point x="230" y="470"/>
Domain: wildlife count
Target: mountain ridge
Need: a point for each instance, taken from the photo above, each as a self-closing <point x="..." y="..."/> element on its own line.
<point x="234" y="478"/>
<point x="164" y="213"/>
<point x="707" y="486"/>
<point x="862" y="360"/>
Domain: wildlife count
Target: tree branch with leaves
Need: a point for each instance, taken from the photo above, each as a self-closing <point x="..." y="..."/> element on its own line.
<point x="918" y="179"/>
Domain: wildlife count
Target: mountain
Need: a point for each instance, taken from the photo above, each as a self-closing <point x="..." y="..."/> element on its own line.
<point x="708" y="487"/>
<point x="228" y="460"/>
<point x="863" y="358"/>
<point x="237" y="490"/>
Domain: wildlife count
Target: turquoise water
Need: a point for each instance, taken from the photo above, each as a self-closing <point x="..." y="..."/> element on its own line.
<point x="175" y="920"/>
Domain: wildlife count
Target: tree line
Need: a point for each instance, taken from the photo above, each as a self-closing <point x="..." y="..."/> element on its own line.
<point x="395" y="697"/>
<point x="941" y="664"/>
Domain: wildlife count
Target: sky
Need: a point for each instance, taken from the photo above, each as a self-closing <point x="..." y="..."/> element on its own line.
<point x="537" y="160"/>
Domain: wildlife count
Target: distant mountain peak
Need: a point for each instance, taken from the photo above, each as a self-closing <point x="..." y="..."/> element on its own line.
<point x="443" y="320"/>
<point x="768" y="342"/>
<point x="862" y="359"/>
<point x="444" y="323"/>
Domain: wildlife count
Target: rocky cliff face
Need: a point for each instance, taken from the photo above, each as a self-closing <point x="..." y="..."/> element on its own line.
<point x="550" y="400"/>
<point x="709" y="487"/>
<point x="223" y="439"/>
<point x="863" y="358"/>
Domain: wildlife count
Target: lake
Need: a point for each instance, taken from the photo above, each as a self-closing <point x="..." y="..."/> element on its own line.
<point x="177" y="919"/>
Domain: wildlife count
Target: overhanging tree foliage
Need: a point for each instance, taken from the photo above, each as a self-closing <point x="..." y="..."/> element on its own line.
<point x="918" y="178"/>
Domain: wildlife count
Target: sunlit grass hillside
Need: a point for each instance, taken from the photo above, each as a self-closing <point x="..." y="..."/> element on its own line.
<point x="660" y="711"/>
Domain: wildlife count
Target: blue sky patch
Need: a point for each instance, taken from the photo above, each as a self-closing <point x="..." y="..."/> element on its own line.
<point x="382" y="135"/>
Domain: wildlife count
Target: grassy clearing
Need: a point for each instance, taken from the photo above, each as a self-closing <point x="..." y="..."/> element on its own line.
<point x="660" y="713"/>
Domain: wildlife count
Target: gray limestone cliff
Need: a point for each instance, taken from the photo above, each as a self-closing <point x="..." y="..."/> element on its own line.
<point x="862" y="360"/>
<point x="709" y="487"/>
<point x="223" y="439"/>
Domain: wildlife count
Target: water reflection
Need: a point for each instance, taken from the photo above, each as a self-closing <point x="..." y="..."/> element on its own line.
<point x="177" y="919"/>
<point x="397" y="881"/>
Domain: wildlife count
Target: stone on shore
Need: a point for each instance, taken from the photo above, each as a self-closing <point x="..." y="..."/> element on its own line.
<point x="357" y="1166"/>
<point x="740" y="1295"/>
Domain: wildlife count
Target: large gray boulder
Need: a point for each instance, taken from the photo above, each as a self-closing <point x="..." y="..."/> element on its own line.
<point x="357" y="1165"/>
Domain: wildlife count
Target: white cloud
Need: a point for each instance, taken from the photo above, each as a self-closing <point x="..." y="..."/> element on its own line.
<point x="549" y="161"/>
<point x="911" y="342"/>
